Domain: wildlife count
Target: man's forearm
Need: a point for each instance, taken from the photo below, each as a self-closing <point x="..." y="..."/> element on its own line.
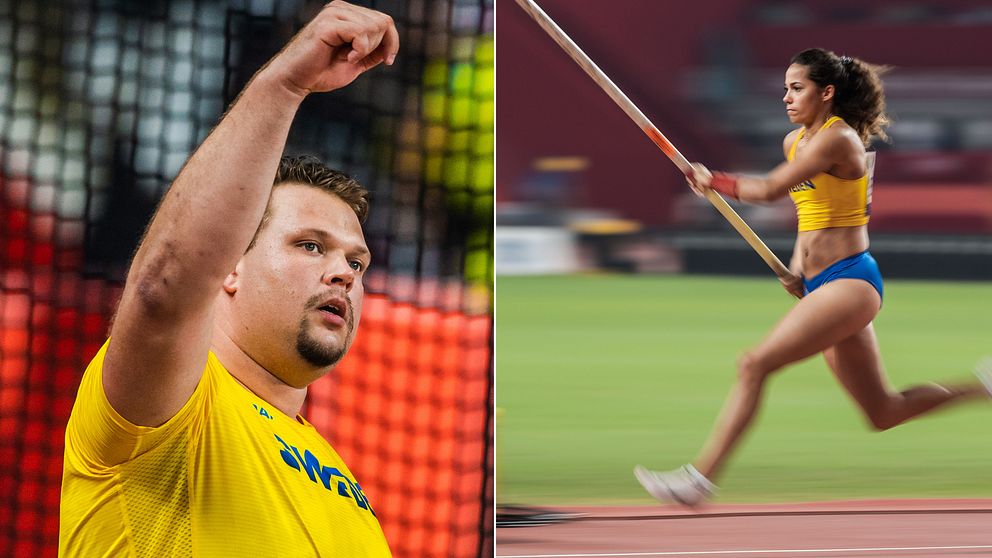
<point x="207" y="218"/>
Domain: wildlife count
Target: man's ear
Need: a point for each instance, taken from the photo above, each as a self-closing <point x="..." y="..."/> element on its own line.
<point x="233" y="279"/>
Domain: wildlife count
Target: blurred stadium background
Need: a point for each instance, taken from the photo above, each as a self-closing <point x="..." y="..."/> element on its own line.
<point x="100" y="104"/>
<point x="599" y="372"/>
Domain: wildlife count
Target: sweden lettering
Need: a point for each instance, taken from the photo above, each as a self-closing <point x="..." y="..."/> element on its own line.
<point x="308" y="463"/>
<point x="804" y="185"/>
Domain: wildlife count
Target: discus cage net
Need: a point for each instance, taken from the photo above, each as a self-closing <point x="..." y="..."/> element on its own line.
<point x="102" y="101"/>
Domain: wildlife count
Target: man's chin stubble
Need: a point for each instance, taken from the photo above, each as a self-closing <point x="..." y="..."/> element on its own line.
<point x="318" y="354"/>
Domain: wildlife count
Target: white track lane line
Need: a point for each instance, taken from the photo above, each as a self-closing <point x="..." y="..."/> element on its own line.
<point x="733" y="552"/>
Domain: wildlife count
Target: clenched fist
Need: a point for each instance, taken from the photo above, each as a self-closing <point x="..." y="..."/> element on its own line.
<point x="340" y="43"/>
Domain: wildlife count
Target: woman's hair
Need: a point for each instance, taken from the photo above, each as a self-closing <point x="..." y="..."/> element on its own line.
<point x="858" y="95"/>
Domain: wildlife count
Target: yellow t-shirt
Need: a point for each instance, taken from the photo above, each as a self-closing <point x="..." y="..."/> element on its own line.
<point x="826" y="201"/>
<point x="228" y="475"/>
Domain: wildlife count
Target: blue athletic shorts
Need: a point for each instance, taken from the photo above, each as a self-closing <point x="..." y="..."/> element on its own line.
<point x="858" y="266"/>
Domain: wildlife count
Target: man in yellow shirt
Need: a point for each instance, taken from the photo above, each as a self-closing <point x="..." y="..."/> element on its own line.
<point x="185" y="438"/>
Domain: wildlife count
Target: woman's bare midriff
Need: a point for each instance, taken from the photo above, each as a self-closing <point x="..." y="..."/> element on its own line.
<point x="823" y="247"/>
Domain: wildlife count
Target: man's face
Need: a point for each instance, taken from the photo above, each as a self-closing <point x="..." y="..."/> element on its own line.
<point x="298" y="296"/>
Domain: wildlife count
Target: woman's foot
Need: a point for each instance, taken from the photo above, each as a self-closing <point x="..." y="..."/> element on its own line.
<point x="984" y="372"/>
<point x="684" y="485"/>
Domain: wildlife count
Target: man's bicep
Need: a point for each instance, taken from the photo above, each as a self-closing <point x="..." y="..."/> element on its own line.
<point x="154" y="359"/>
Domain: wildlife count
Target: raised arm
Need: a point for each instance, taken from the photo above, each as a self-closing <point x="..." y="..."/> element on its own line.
<point x="161" y="334"/>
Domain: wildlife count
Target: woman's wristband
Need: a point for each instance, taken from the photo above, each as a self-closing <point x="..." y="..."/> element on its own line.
<point x="725" y="184"/>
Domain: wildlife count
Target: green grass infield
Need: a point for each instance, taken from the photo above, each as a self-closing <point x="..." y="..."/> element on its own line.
<point x="595" y="374"/>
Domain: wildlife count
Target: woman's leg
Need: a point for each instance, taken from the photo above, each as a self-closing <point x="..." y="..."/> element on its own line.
<point x="857" y="364"/>
<point x="821" y="320"/>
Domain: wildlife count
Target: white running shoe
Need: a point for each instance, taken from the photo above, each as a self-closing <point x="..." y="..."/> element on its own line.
<point x="684" y="485"/>
<point x="984" y="372"/>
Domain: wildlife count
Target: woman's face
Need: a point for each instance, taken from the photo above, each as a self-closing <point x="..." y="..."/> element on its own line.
<point x="803" y="98"/>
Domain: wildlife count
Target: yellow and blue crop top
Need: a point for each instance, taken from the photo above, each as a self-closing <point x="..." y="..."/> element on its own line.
<point x="826" y="201"/>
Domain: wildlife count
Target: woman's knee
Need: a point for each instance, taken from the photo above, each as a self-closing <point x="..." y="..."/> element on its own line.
<point x="752" y="369"/>
<point x="882" y="422"/>
<point x="882" y="417"/>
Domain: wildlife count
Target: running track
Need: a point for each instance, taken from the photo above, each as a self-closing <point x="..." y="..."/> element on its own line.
<point x="868" y="529"/>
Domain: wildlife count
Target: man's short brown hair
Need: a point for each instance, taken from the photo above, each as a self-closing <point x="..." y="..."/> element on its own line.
<point x="310" y="171"/>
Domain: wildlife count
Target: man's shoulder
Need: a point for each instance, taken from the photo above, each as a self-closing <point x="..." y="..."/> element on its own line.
<point x="100" y="436"/>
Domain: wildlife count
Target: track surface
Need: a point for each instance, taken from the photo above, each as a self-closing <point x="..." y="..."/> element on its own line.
<point x="868" y="528"/>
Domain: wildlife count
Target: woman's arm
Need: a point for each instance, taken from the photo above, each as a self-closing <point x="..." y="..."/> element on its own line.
<point x="820" y="155"/>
